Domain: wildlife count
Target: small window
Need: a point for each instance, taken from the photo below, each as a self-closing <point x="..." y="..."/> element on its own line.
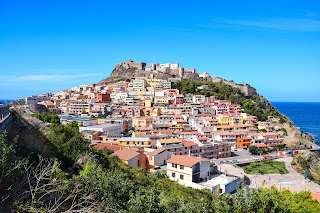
<point x="181" y="167"/>
<point x="181" y="177"/>
<point x="173" y="174"/>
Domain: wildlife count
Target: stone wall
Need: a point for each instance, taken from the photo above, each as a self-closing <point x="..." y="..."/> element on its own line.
<point x="246" y="89"/>
<point x="5" y="118"/>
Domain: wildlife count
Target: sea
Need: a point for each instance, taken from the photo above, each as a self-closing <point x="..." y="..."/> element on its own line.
<point x="305" y="115"/>
<point x="6" y="101"/>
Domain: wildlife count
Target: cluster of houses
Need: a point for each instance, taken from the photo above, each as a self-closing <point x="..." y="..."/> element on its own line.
<point x="146" y="123"/>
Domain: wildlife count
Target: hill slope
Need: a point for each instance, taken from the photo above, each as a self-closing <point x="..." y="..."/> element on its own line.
<point x="187" y="82"/>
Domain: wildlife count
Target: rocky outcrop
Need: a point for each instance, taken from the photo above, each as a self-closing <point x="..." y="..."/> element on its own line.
<point x="130" y="69"/>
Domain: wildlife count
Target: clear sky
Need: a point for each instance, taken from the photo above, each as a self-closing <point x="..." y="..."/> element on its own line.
<point x="51" y="45"/>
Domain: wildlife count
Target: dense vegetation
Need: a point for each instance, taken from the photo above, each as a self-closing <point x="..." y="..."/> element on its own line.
<point x="83" y="179"/>
<point x="259" y="150"/>
<point x="309" y="162"/>
<point x="45" y="117"/>
<point x="266" y="166"/>
<point x="255" y="105"/>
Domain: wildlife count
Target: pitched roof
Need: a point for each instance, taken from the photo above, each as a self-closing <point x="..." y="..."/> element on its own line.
<point x="260" y="145"/>
<point x="269" y="134"/>
<point x="185" y="160"/>
<point x="202" y="138"/>
<point x="157" y="151"/>
<point x="315" y="196"/>
<point x="108" y="146"/>
<point x="126" y="154"/>
<point x="189" y="143"/>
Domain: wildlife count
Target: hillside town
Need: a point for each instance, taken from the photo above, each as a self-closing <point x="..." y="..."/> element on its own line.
<point x="146" y="123"/>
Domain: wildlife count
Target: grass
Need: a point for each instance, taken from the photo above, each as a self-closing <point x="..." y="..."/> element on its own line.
<point x="266" y="167"/>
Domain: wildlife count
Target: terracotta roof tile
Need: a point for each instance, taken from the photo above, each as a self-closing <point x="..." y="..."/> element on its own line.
<point x="157" y="151"/>
<point x="126" y="154"/>
<point x="185" y="160"/>
<point x="189" y="143"/>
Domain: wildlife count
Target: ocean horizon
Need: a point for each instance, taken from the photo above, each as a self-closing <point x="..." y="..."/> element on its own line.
<point x="305" y="115"/>
<point x="7" y="101"/>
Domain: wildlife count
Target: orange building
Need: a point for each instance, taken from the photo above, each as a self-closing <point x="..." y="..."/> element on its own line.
<point x="243" y="143"/>
<point x="101" y="97"/>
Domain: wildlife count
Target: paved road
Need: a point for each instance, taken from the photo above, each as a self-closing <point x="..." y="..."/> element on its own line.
<point x="240" y="155"/>
<point x="292" y="176"/>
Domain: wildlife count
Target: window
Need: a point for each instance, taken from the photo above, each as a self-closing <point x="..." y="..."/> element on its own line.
<point x="181" y="177"/>
<point x="173" y="174"/>
<point x="181" y="167"/>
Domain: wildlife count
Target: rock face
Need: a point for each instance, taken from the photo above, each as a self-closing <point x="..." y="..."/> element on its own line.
<point x="131" y="69"/>
<point x="172" y="72"/>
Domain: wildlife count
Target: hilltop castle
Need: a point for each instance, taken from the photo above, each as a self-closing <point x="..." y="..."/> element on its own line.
<point x="170" y="71"/>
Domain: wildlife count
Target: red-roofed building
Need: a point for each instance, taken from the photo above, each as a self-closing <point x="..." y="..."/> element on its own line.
<point x="109" y="146"/>
<point x="185" y="169"/>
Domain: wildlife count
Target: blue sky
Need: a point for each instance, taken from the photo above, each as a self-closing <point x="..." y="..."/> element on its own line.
<point x="48" y="46"/>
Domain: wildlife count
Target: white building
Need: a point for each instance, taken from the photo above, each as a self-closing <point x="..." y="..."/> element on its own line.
<point x="139" y="84"/>
<point x="198" y="99"/>
<point x="204" y="75"/>
<point x="78" y="107"/>
<point x="37" y="98"/>
<point x="199" y="174"/>
<point x="112" y="129"/>
<point x="166" y="84"/>
<point x="185" y="169"/>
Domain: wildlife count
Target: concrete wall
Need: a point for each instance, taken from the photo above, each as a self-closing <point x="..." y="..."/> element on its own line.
<point x="230" y="187"/>
<point x="186" y="172"/>
<point x="160" y="159"/>
<point x="134" y="161"/>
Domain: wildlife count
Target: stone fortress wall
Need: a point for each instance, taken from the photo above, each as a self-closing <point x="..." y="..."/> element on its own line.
<point x="5" y="117"/>
<point x="169" y="71"/>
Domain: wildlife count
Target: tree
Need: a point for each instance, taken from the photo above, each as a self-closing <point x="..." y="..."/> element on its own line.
<point x="254" y="150"/>
<point x="47" y="118"/>
<point x="55" y="119"/>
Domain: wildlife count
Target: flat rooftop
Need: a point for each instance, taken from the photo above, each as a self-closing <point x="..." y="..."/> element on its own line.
<point x="218" y="179"/>
<point x="101" y="125"/>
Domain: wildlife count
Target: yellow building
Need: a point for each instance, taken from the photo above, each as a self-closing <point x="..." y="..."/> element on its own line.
<point x="110" y="140"/>
<point x="160" y="100"/>
<point x="134" y="141"/>
<point x="237" y="120"/>
<point x="153" y="82"/>
<point x="165" y="142"/>
<point x="224" y="120"/>
<point x="141" y="121"/>
<point x="147" y="102"/>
